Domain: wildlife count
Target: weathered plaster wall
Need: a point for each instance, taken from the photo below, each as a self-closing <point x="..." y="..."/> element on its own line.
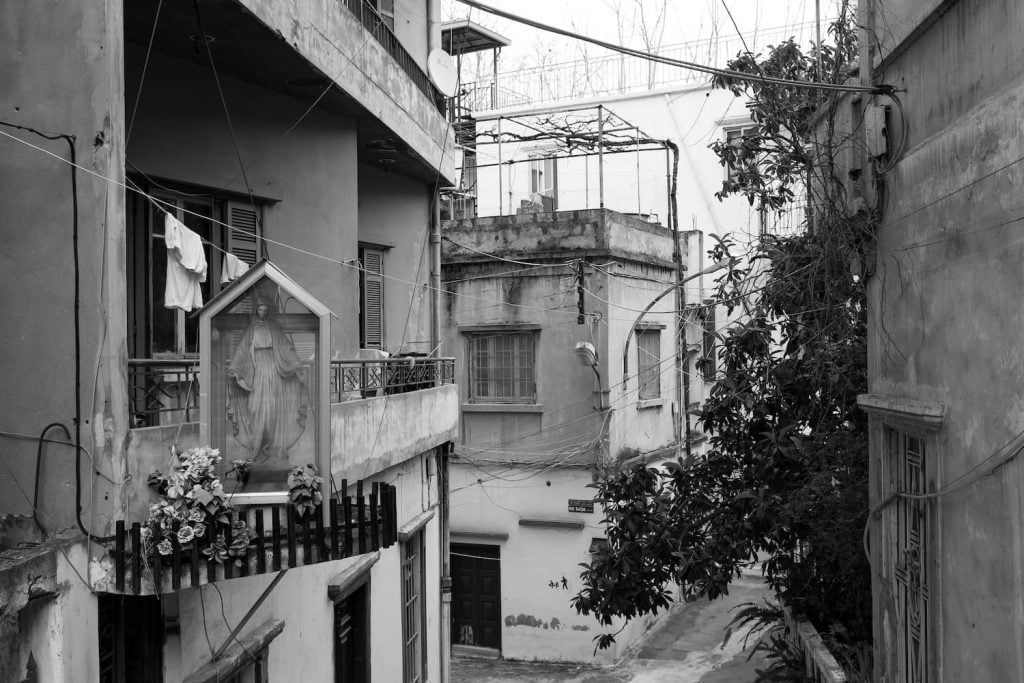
<point x="66" y="53"/>
<point x="339" y="46"/>
<point x="61" y="632"/>
<point x="395" y="212"/>
<point x="946" y="292"/>
<point x="538" y="622"/>
<point x="180" y="134"/>
<point x="374" y="434"/>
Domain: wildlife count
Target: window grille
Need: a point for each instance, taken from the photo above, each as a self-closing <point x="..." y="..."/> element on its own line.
<point x="909" y="552"/>
<point x="648" y="345"/>
<point x="734" y="137"/>
<point x="413" y="616"/>
<point x="502" y="368"/>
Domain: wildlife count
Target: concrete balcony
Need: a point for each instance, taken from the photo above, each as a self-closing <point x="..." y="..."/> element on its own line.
<point x="303" y="48"/>
<point x="372" y="434"/>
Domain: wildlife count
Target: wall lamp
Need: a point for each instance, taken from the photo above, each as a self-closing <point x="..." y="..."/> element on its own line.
<point x="586" y="354"/>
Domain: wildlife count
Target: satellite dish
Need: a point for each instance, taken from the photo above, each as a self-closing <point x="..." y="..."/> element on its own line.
<point x="442" y="72"/>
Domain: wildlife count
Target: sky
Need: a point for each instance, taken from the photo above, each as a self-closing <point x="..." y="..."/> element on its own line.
<point x="634" y="23"/>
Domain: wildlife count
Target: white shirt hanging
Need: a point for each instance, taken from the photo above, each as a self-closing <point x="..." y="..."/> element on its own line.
<point x="232" y="268"/>
<point x="186" y="266"/>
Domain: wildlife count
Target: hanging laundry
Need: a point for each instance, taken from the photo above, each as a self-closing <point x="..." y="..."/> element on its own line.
<point x="186" y="266"/>
<point x="232" y="268"/>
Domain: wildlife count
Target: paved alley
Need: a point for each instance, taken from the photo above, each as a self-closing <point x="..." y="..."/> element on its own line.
<point x="686" y="648"/>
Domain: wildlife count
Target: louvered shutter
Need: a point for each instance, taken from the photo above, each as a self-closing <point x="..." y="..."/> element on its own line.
<point x="372" y="305"/>
<point x="244" y="239"/>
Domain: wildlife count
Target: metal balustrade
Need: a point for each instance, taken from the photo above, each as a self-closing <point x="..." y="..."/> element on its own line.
<point x="354" y="379"/>
<point x="163" y="391"/>
<point x="372" y="21"/>
<point x="166" y="391"/>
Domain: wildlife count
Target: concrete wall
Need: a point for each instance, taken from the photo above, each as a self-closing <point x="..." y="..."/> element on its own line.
<point x="947" y="322"/>
<point x="68" y="54"/>
<point x="59" y="630"/>
<point x="362" y="68"/>
<point x="538" y="621"/>
<point x="180" y="134"/>
<point x="395" y="213"/>
<point x="373" y="434"/>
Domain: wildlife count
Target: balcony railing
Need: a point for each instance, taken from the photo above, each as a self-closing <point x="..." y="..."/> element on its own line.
<point x="163" y="391"/>
<point x="373" y="22"/>
<point x="353" y="379"/>
<point x="356" y="525"/>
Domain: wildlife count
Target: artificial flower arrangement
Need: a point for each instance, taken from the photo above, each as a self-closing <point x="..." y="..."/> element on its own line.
<point x="194" y="502"/>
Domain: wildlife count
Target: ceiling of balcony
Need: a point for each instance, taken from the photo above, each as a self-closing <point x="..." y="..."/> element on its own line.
<point x="246" y="49"/>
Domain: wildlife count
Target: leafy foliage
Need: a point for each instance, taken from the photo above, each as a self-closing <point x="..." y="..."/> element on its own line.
<point x="304" y="485"/>
<point x="785" y="477"/>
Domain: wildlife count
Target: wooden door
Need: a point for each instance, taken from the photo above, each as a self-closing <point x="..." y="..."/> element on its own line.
<point x="476" y="595"/>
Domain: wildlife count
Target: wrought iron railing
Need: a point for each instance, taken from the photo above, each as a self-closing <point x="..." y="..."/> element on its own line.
<point x="372" y="21"/>
<point x="280" y="539"/>
<point x="353" y="379"/>
<point x="163" y="391"/>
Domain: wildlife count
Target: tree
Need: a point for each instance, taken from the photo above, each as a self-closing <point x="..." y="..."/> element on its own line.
<point x="786" y="472"/>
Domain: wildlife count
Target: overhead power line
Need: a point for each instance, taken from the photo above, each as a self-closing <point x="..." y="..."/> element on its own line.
<point x="682" y="64"/>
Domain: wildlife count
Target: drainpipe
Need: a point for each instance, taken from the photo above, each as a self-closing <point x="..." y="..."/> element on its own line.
<point x="682" y="383"/>
<point x="435" y="274"/>
<point x="446" y="573"/>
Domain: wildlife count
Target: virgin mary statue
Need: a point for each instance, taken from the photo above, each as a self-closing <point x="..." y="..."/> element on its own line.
<point x="267" y="400"/>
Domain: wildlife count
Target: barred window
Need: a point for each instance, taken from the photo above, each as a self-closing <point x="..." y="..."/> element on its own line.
<point x="908" y="551"/>
<point x="413" y="615"/>
<point x="648" y="345"/>
<point x="502" y="367"/>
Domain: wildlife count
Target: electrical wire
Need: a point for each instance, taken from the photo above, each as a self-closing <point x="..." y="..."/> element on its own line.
<point x="693" y="66"/>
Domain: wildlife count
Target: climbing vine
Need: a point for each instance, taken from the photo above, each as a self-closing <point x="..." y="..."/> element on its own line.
<point x="785" y="477"/>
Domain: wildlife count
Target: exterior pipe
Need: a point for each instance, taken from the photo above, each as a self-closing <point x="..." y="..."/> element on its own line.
<point x="435" y="275"/>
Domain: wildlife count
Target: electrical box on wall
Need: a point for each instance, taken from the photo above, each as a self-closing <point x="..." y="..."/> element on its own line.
<point x="875" y="133"/>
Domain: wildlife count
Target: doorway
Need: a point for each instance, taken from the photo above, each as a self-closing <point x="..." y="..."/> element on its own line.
<point x="476" y="598"/>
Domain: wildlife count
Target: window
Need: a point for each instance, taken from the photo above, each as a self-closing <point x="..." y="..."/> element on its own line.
<point x="371" y="297"/>
<point x="734" y="138"/>
<point x="386" y="10"/>
<point x="708" y="360"/>
<point x="907" y="550"/>
<point x="502" y="367"/>
<point x="131" y="638"/>
<point x="351" y="636"/>
<point x="648" y="347"/>
<point x="544" y="182"/>
<point x="414" y="621"/>
<point x="153" y="330"/>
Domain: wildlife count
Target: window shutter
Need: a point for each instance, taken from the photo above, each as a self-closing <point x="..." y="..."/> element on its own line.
<point x="245" y="239"/>
<point x="372" y="304"/>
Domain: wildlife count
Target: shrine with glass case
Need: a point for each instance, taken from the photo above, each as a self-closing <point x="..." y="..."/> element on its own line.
<point x="264" y="345"/>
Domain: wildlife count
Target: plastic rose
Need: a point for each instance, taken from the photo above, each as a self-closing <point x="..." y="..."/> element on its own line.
<point x="186" y="534"/>
<point x="164" y="547"/>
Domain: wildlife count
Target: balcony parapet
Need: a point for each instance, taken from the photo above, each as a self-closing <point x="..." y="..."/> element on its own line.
<point x="354" y="525"/>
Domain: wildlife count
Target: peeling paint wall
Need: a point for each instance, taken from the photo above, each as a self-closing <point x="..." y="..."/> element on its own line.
<point x="947" y="318"/>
